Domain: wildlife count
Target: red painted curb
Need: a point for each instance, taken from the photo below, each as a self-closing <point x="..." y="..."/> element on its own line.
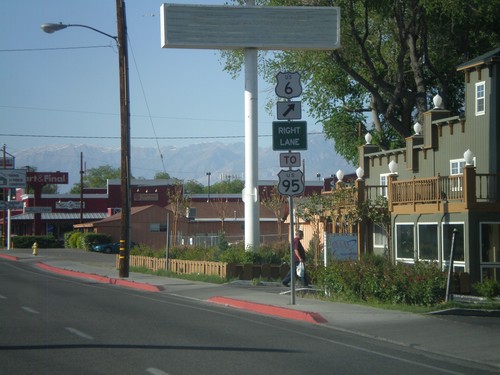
<point x="281" y="312"/>
<point x="9" y="257"/>
<point x="99" y="278"/>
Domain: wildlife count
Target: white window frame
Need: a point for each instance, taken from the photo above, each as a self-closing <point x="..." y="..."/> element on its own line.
<point x="458" y="265"/>
<point x="384" y="184"/>
<point x="480" y="98"/>
<point x="436" y="224"/>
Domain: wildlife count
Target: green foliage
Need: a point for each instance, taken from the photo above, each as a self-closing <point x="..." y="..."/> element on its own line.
<point x="228" y="186"/>
<point x="394" y="57"/>
<point x="193" y="187"/>
<point x="488" y="288"/>
<point x="374" y="279"/>
<point x="161" y="176"/>
<point x="44" y="242"/>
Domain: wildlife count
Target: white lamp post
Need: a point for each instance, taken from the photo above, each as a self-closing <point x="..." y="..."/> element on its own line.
<point x="360" y="173"/>
<point x="393" y="167"/>
<point x="340" y="175"/>
<point x="469" y="157"/>
<point x="417" y="128"/>
<point x="121" y="41"/>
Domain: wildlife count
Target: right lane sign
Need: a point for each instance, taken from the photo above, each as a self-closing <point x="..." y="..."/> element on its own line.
<point x="289" y="135"/>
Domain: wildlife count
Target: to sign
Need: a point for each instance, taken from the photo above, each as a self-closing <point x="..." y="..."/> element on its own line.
<point x="291" y="182"/>
<point x="288" y="85"/>
<point x="289" y="159"/>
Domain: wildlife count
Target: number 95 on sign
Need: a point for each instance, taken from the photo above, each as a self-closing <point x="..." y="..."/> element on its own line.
<point x="291" y="182"/>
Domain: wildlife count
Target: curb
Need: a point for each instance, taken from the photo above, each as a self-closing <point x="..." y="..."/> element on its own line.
<point x="101" y="279"/>
<point x="9" y="257"/>
<point x="282" y="312"/>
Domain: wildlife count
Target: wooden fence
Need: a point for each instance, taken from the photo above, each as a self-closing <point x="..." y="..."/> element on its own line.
<point x="223" y="270"/>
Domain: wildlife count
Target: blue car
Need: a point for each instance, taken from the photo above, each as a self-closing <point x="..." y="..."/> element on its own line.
<point x="109" y="248"/>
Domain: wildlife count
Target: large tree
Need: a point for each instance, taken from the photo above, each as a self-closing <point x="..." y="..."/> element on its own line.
<point x="395" y="55"/>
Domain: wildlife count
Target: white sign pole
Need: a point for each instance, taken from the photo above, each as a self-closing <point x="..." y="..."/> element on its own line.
<point x="250" y="193"/>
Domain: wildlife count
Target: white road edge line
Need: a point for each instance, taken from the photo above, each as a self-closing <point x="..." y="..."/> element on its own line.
<point x="30" y="310"/>
<point x="79" y="333"/>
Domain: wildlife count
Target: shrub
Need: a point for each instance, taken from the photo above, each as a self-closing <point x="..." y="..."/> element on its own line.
<point x="488" y="288"/>
<point x="375" y="279"/>
<point x="44" y="242"/>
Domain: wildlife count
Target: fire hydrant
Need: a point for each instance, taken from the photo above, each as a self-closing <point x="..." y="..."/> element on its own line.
<point x="35" y="248"/>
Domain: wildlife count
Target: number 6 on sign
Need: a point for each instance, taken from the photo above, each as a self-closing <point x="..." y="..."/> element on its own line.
<point x="291" y="182"/>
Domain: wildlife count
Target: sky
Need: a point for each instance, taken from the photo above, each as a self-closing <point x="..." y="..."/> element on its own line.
<point x="63" y="88"/>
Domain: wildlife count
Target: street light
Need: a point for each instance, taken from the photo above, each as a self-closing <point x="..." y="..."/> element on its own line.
<point x="121" y="41"/>
<point x="208" y="175"/>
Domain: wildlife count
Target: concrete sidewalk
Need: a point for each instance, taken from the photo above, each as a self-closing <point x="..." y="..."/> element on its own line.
<point x="475" y="337"/>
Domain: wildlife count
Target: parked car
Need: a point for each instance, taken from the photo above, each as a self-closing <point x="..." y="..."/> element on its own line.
<point x="109" y="248"/>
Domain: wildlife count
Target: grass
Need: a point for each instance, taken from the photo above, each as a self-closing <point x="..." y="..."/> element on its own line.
<point x="192" y="277"/>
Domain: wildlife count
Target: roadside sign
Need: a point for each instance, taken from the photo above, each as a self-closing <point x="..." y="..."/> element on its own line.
<point x="289" y="110"/>
<point x="291" y="182"/>
<point x="289" y="135"/>
<point x="37" y="210"/>
<point x="288" y="85"/>
<point x="289" y="159"/>
<point x="12" y="178"/>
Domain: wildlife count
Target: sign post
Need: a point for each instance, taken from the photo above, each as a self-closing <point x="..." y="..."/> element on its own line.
<point x="251" y="28"/>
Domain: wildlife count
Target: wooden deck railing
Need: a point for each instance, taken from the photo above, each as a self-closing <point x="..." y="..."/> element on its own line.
<point x="440" y="189"/>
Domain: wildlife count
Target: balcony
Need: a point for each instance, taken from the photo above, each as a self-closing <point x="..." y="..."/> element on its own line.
<point x="470" y="191"/>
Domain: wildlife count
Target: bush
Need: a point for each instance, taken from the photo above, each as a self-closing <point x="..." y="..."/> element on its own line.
<point x="374" y="279"/>
<point x="44" y="242"/>
<point x="488" y="288"/>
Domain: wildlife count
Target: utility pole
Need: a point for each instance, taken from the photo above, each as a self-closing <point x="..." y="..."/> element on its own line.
<point x="124" y="255"/>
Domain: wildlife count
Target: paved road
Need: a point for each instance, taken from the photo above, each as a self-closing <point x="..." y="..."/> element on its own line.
<point x="467" y="346"/>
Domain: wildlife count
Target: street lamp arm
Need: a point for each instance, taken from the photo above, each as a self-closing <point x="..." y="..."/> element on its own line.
<point x="53" y="27"/>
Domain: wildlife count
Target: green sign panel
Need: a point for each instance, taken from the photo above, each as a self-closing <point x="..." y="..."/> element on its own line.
<point x="289" y="135"/>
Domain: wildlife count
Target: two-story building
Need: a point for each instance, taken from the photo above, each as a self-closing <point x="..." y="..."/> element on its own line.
<point x="445" y="181"/>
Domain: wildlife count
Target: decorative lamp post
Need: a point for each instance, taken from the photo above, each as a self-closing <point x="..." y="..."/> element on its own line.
<point x="368" y="138"/>
<point x="121" y="41"/>
<point x="360" y="173"/>
<point x="393" y="167"/>
<point x="340" y="175"/>
<point x="438" y="102"/>
<point x="469" y="157"/>
<point x="417" y="128"/>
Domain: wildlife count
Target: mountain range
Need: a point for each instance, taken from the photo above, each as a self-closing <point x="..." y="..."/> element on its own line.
<point x="191" y="162"/>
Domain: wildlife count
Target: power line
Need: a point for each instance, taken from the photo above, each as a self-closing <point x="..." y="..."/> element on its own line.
<point x="143" y="138"/>
<point x="52" y="48"/>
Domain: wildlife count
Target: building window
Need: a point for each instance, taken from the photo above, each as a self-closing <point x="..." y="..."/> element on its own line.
<point x="458" y="253"/>
<point x="157" y="227"/>
<point x="379" y="239"/>
<point x="404" y="242"/>
<point x="457" y="167"/>
<point x="480" y="97"/>
<point x="490" y="251"/>
<point x="427" y="240"/>
<point x="383" y="184"/>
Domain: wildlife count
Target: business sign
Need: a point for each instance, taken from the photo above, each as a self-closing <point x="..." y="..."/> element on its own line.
<point x="289" y="135"/>
<point x="12" y="178"/>
<point x="69" y="205"/>
<point x="236" y="27"/>
<point x="46" y="178"/>
<point x="38" y="210"/>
